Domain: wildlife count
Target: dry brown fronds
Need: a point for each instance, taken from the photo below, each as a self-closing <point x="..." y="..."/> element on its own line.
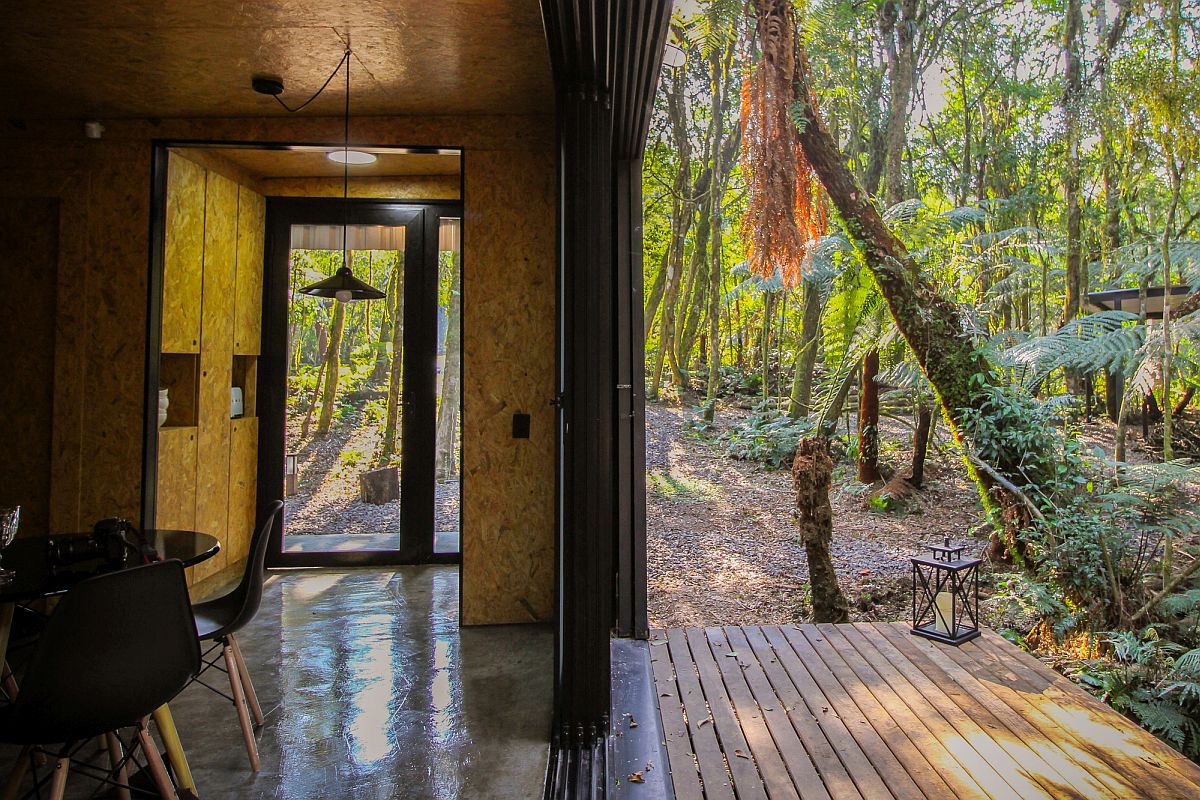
<point x="787" y="209"/>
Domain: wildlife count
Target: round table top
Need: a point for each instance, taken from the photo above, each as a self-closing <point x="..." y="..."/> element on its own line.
<point x="34" y="576"/>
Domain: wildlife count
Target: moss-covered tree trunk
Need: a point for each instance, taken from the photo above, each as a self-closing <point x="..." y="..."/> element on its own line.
<point x="931" y="324"/>
<point x="396" y="373"/>
<point x="810" y="332"/>
<point x="812" y="476"/>
<point x="447" y="418"/>
<point x="332" y="368"/>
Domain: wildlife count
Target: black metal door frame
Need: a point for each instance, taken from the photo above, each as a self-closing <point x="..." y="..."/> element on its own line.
<point x="419" y="395"/>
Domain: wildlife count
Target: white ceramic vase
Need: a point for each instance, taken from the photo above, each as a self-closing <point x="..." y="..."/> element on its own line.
<point x="163" y="402"/>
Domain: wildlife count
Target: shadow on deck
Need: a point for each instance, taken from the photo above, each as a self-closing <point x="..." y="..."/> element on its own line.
<point x="868" y="710"/>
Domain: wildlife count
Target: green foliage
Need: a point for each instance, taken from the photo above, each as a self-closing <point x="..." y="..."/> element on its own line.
<point x="767" y="436"/>
<point x="1154" y="681"/>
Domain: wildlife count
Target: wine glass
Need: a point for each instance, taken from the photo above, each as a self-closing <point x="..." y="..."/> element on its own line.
<point x="10" y="518"/>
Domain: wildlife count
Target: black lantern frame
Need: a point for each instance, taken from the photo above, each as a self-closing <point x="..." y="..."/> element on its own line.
<point x="945" y="595"/>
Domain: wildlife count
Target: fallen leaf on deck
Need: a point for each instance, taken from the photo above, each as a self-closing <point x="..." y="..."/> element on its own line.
<point x="636" y="777"/>
<point x="740" y="754"/>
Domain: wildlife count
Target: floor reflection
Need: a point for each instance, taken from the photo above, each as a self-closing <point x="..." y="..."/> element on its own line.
<point x="372" y="691"/>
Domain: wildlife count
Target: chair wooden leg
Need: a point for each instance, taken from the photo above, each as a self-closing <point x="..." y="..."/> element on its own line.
<point x="13" y="784"/>
<point x="58" y="785"/>
<point x="247" y="684"/>
<point x="120" y="771"/>
<point x="154" y="762"/>
<point x="10" y="682"/>
<point x="239" y="702"/>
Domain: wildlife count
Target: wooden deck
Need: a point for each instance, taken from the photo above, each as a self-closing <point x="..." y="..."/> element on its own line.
<point x="870" y="711"/>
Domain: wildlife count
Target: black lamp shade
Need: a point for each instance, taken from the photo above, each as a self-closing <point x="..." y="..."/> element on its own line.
<point x="343" y="281"/>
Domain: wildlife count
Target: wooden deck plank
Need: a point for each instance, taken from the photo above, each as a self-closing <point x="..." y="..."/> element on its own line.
<point x="746" y="780"/>
<point x="927" y="760"/>
<point x="966" y="742"/>
<point x="1007" y="753"/>
<point x="941" y="669"/>
<point x="709" y="758"/>
<point x="685" y="775"/>
<point x="1027" y="704"/>
<point x="887" y="764"/>
<point x="801" y="770"/>
<point x="1129" y="749"/>
<point x="870" y="711"/>
<point x="767" y="752"/>
<point x="843" y="765"/>
<point x="1181" y="764"/>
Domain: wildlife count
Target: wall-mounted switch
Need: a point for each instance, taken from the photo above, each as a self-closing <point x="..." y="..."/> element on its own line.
<point x="520" y="426"/>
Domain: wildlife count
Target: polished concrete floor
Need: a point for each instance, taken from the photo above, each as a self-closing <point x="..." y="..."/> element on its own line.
<point x="372" y="691"/>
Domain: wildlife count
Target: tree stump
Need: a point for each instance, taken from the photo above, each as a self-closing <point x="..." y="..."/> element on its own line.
<point x="379" y="486"/>
<point x="812" y="475"/>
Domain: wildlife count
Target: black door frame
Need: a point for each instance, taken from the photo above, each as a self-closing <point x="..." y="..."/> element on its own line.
<point x="419" y="393"/>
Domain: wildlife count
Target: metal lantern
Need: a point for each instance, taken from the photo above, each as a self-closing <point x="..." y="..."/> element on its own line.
<point x="945" y="595"/>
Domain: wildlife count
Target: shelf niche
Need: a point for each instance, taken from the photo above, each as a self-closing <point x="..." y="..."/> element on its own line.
<point x="245" y="377"/>
<point x="178" y="373"/>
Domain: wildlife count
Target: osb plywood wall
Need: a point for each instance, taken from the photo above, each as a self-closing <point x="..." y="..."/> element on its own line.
<point x="103" y="193"/>
<point x="409" y="187"/>
<point x="28" y="260"/>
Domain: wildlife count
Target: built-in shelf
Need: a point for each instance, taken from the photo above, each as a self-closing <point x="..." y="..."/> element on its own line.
<point x="178" y="373"/>
<point x="245" y="377"/>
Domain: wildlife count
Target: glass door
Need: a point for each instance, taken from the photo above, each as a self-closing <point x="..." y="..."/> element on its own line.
<point x="363" y="418"/>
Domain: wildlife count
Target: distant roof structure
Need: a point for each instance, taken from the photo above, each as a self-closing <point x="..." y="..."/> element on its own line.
<point x="1127" y="300"/>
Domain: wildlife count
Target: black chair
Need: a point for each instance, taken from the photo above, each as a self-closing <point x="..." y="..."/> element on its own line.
<point x="219" y="619"/>
<point x="117" y="647"/>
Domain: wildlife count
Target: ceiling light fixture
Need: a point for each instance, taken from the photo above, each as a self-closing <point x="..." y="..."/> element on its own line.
<point x="351" y="157"/>
<point x="342" y="285"/>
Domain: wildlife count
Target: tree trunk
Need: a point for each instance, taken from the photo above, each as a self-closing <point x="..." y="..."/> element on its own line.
<point x="812" y="474"/>
<point x="1071" y="102"/>
<point x="395" y="374"/>
<point x="714" y="313"/>
<point x="382" y="362"/>
<point x="806" y="360"/>
<point x="765" y="342"/>
<point x="447" y="419"/>
<point x="868" y="420"/>
<point x="332" y="364"/>
<point x="656" y="295"/>
<point x="930" y="324"/>
<point x="921" y="435"/>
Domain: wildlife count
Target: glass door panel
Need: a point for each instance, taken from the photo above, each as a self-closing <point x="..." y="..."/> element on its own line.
<point x="447" y="441"/>
<point x="345" y="382"/>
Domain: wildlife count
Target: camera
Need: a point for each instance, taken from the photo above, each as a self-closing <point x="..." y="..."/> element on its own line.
<point x="106" y="543"/>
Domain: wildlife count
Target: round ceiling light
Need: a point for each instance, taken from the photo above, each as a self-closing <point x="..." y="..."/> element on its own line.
<point x="351" y="157"/>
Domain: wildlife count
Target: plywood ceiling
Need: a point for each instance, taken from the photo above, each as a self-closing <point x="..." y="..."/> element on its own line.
<point x="304" y="164"/>
<point x="195" y="58"/>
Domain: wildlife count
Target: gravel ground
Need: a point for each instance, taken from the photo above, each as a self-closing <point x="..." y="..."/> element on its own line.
<point x="327" y="500"/>
<point x="721" y="538"/>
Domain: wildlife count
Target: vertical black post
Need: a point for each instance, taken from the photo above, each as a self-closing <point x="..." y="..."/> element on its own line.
<point x="588" y="395"/>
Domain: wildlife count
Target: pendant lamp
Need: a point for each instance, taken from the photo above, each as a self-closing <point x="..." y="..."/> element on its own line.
<point x="342" y="285"/>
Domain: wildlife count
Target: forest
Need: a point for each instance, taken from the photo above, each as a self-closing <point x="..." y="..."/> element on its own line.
<point x="915" y="214"/>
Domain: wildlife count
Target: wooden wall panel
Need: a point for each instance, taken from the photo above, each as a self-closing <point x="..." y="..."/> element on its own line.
<point x="243" y="485"/>
<point x="104" y="189"/>
<point x="28" y="258"/>
<point x="409" y="187"/>
<point x="216" y="365"/>
<point x="183" y="256"/>
<point x="247" y="325"/>
<point x="509" y="326"/>
<point x="177" y="478"/>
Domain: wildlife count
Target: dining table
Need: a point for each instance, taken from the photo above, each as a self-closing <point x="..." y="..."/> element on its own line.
<point x="35" y="569"/>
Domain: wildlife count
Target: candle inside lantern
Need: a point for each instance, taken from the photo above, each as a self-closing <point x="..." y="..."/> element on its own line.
<point x="943" y="614"/>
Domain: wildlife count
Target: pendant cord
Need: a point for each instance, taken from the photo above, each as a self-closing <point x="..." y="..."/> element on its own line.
<point x="332" y="75"/>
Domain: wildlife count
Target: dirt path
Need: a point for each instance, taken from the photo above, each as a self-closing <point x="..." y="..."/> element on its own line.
<point x="721" y="539"/>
